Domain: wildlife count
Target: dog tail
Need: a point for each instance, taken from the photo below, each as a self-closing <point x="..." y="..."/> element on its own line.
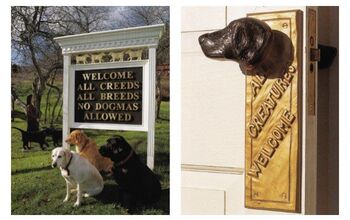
<point x="19" y="129"/>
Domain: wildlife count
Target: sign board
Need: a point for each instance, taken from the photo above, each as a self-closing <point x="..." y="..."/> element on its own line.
<point x="111" y="96"/>
<point x="102" y="89"/>
<point x="108" y="96"/>
<point x="273" y="127"/>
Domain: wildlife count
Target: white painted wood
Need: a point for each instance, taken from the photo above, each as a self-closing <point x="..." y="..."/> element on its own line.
<point x="309" y="160"/>
<point x="213" y="108"/>
<point x="151" y="107"/>
<point x="66" y="96"/>
<point x="135" y="37"/>
<point x="198" y="187"/>
<point x="202" y="18"/>
<point x="211" y="180"/>
<point x="107" y="126"/>
<point x="202" y="206"/>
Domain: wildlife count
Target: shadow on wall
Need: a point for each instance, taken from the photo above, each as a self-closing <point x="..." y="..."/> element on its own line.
<point x="328" y="117"/>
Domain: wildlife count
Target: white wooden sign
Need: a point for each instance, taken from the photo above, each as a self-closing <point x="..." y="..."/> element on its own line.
<point x="106" y="51"/>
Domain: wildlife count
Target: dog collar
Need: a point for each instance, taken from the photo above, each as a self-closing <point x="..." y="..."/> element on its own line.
<point x="126" y="159"/>
<point x="70" y="160"/>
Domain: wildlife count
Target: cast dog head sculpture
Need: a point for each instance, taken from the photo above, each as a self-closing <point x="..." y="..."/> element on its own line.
<point x="251" y="42"/>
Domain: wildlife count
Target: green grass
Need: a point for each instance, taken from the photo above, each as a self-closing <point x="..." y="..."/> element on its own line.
<point x="23" y="88"/>
<point x="36" y="188"/>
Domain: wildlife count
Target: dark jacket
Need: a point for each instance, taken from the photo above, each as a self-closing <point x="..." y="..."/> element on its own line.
<point x="32" y="118"/>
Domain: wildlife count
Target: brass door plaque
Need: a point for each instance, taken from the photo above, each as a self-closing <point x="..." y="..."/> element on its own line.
<point x="273" y="127"/>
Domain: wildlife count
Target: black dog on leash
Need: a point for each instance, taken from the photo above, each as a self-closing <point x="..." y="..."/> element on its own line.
<point x="137" y="183"/>
<point x="56" y="135"/>
<point x="33" y="136"/>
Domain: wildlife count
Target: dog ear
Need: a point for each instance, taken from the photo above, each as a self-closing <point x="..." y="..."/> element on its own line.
<point x="71" y="138"/>
<point x="77" y="138"/>
<point x="67" y="154"/>
<point x="113" y="141"/>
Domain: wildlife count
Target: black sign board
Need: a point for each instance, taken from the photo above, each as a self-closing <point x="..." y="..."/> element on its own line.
<point x="109" y="96"/>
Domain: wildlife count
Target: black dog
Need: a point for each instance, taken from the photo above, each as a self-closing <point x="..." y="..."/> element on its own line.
<point x="138" y="184"/>
<point x="56" y="135"/>
<point x="252" y="43"/>
<point x="34" y="136"/>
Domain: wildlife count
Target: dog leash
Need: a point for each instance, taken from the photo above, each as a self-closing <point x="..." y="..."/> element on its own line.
<point x="70" y="160"/>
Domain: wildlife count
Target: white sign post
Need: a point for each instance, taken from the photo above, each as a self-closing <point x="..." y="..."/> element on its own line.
<point x="112" y="41"/>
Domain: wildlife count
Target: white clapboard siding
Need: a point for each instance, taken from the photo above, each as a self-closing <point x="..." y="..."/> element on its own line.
<point x="202" y="18"/>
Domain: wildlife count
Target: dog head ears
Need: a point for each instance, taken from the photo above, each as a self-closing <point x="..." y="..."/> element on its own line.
<point x="242" y="40"/>
<point x="77" y="136"/>
<point x="257" y="48"/>
<point x="249" y="37"/>
<point x="67" y="153"/>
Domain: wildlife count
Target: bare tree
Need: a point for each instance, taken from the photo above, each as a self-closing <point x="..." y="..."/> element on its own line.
<point x="31" y="40"/>
<point x="143" y="15"/>
<point x="148" y="15"/>
<point x="81" y="19"/>
<point x="33" y="30"/>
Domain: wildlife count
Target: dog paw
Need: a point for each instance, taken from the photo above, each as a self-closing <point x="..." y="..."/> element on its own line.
<point x="77" y="204"/>
<point x="65" y="200"/>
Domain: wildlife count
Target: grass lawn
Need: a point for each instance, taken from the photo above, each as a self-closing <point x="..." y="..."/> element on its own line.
<point x="36" y="188"/>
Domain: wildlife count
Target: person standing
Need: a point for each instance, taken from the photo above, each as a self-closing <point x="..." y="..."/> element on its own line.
<point x="32" y="116"/>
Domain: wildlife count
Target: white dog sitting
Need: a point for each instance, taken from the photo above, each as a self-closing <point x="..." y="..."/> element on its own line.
<point x="77" y="171"/>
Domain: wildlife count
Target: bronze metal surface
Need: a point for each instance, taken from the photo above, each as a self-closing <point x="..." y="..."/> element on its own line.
<point x="273" y="126"/>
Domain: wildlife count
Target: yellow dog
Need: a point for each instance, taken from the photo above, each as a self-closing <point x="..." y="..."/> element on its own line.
<point x="87" y="148"/>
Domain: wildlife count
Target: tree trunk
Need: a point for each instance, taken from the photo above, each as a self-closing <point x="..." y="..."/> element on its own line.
<point x="56" y="103"/>
<point x="38" y="90"/>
